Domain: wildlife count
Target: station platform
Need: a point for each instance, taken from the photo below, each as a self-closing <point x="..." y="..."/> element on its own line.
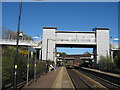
<point x="102" y="72"/>
<point x="53" y="79"/>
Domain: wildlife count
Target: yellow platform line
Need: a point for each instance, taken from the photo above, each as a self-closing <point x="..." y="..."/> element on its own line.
<point x="58" y="81"/>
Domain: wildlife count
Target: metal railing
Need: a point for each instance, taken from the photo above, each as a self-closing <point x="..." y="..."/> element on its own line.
<point x="13" y="41"/>
<point x="36" y="67"/>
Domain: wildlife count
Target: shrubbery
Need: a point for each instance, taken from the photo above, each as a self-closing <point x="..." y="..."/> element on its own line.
<point x="8" y="55"/>
<point x="107" y="64"/>
<point x="117" y="60"/>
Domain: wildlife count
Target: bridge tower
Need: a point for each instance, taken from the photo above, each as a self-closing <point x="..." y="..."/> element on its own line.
<point x="48" y="43"/>
<point x="102" y="42"/>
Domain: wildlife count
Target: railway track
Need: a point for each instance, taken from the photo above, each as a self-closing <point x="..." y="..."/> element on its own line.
<point x="109" y="82"/>
<point x="81" y="82"/>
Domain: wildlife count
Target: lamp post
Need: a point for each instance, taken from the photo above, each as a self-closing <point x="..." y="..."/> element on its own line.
<point x="47" y="57"/>
<point x="21" y="35"/>
<point x="16" y="56"/>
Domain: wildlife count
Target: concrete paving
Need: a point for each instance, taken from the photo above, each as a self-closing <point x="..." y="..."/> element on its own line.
<point x="63" y="80"/>
<point x="53" y="79"/>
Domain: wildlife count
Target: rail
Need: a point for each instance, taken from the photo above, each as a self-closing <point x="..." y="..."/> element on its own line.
<point x="78" y="81"/>
<point x="111" y="82"/>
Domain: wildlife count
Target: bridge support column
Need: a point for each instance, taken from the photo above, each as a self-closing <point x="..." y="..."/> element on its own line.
<point x="111" y="55"/>
<point x="48" y="44"/>
<point x="102" y="40"/>
<point x="40" y="54"/>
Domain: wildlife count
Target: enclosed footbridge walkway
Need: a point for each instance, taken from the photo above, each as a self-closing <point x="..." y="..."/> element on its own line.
<point x="21" y="42"/>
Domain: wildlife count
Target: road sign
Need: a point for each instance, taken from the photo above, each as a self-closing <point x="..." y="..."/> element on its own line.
<point x="31" y="49"/>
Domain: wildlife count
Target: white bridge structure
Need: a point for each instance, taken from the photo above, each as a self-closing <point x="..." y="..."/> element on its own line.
<point x="12" y="42"/>
<point x="98" y="39"/>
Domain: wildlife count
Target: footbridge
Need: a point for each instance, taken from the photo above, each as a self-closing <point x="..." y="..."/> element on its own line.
<point x="12" y="42"/>
<point x="98" y="39"/>
<point x="28" y="72"/>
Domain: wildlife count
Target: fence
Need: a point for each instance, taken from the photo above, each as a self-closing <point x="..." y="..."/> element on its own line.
<point x="8" y="54"/>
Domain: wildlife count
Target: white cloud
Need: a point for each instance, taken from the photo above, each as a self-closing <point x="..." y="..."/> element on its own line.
<point x="116" y="39"/>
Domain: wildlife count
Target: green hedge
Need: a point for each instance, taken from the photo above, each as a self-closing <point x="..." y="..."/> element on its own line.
<point x="8" y="55"/>
<point x="107" y="64"/>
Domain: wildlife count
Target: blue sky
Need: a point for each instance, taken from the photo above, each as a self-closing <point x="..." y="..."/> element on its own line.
<point x="78" y="16"/>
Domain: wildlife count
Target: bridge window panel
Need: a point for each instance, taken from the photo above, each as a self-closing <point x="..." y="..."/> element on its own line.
<point x="86" y="37"/>
<point x="65" y="36"/>
<point x="82" y="37"/>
